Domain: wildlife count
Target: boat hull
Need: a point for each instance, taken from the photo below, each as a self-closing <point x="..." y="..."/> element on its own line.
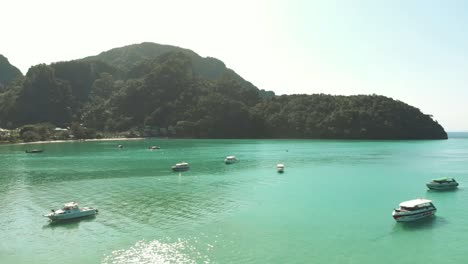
<point x="180" y="169"/>
<point x="66" y="216"/>
<point x="34" y="151"/>
<point x="413" y="216"/>
<point x="442" y="186"/>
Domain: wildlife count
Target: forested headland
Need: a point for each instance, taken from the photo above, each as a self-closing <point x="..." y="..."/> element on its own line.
<point x="151" y="90"/>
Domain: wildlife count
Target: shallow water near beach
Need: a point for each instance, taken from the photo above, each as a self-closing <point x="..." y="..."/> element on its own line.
<point x="332" y="204"/>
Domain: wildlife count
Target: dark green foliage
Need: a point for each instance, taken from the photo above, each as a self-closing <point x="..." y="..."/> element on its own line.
<point x="79" y="75"/>
<point x="37" y="132"/>
<point x="266" y="94"/>
<point x="126" y="58"/>
<point x="8" y="72"/>
<point x="350" y="117"/>
<point x="55" y="93"/>
<point x="43" y="98"/>
<point x="156" y="90"/>
<point x="8" y="103"/>
<point x="80" y="132"/>
<point x="129" y="59"/>
<point x="30" y="136"/>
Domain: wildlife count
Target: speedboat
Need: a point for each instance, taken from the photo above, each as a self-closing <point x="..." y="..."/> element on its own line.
<point x="414" y="210"/>
<point x="230" y="159"/>
<point x="442" y="184"/>
<point x="183" y="166"/>
<point x="34" y="151"/>
<point x="69" y="211"/>
<point x="280" y="168"/>
<point x="154" y="147"/>
<point x="120" y="146"/>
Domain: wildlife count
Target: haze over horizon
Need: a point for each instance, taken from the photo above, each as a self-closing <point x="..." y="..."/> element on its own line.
<point x="415" y="52"/>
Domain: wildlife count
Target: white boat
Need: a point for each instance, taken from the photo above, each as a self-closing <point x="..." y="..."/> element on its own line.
<point x="442" y="184"/>
<point x="183" y="166"/>
<point x="280" y="168"/>
<point x="69" y="211"/>
<point x="414" y="210"/>
<point x="230" y="159"/>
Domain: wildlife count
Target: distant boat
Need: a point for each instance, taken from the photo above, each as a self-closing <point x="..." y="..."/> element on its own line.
<point x="154" y="147"/>
<point x="414" y="210"/>
<point x="442" y="184"/>
<point x="69" y="211"/>
<point x="183" y="166"/>
<point x="230" y="159"/>
<point x="120" y="146"/>
<point x="34" y="151"/>
<point x="280" y="168"/>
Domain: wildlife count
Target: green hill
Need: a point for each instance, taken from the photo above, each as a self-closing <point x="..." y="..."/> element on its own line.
<point x="128" y="57"/>
<point x="346" y="117"/>
<point x="8" y="72"/>
<point x="158" y="90"/>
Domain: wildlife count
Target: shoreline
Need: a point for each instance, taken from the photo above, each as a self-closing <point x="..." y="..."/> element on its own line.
<point x="76" y="140"/>
<point x="143" y="138"/>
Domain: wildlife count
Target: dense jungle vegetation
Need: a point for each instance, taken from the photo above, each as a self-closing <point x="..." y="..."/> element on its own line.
<point x="149" y="89"/>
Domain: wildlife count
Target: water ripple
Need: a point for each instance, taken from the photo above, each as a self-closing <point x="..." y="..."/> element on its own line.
<point x="157" y="252"/>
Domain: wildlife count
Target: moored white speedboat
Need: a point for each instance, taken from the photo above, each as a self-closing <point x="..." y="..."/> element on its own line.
<point x="183" y="166"/>
<point x="280" y="168"/>
<point x="69" y="211"/>
<point x="414" y="210"/>
<point x="230" y="159"/>
<point x="442" y="184"/>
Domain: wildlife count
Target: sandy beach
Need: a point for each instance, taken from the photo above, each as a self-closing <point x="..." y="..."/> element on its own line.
<point x="78" y="140"/>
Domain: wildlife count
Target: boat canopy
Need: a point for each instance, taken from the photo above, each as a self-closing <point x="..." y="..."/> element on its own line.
<point x="280" y="165"/>
<point x="444" y="179"/>
<point x="231" y="157"/>
<point x="70" y="205"/>
<point x="415" y="202"/>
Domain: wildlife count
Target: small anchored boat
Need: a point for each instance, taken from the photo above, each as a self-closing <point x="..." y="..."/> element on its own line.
<point x="442" y="184"/>
<point x="34" y="151"/>
<point x="280" y="168"/>
<point x="183" y="166"/>
<point x="120" y="146"/>
<point x="69" y="211"/>
<point x="230" y="159"/>
<point x="154" y="147"/>
<point x="413" y="210"/>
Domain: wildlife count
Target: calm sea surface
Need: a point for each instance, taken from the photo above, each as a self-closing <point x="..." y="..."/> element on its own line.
<point x="333" y="204"/>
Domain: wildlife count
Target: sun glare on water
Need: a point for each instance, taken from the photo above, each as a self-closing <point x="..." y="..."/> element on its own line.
<point x="157" y="252"/>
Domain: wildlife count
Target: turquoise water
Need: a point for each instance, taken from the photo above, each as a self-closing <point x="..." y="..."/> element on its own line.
<point x="333" y="204"/>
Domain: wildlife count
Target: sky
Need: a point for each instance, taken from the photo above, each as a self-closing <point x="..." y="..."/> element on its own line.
<point x="414" y="51"/>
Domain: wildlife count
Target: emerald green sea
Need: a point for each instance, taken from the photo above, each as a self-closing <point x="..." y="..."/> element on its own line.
<point x="332" y="204"/>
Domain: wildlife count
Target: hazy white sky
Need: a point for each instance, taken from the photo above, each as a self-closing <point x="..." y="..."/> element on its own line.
<point x="413" y="51"/>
